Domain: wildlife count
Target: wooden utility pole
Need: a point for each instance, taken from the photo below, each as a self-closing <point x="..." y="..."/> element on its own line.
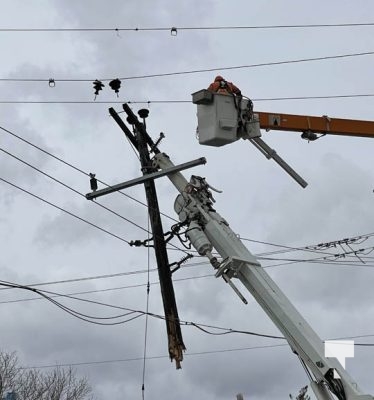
<point x="141" y="140"/>
<point x="175" y="340"/>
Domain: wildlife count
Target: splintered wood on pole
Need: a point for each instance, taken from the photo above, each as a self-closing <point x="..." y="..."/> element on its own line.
<point x="175" y="339"/>
<point x="176" y="345"/>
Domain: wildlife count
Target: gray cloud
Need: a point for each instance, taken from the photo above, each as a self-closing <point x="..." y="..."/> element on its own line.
<point x="40" y="244"/>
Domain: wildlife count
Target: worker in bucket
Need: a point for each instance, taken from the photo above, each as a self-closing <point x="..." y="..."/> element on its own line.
<point x="221" y="86"/>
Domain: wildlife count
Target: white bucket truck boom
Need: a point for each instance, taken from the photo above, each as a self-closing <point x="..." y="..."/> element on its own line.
<point x="223" y="119"/>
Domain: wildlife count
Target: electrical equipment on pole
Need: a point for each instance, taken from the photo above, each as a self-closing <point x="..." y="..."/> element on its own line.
<point x="223" y="119"/>
<point x="208" y="230"/>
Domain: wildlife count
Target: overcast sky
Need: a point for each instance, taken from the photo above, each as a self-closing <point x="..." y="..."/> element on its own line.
<point x="42" y="244"/>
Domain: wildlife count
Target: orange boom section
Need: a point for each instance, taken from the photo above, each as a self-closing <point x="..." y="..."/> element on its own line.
<point x="324" y="124"/>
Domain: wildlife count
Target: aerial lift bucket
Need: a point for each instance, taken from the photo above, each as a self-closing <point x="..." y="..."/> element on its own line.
<point x="224" y="118"/>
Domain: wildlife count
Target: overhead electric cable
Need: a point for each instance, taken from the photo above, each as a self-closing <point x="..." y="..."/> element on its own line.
<point x="206" y="263"/>
<point x="156" y="282"/>
<point x="194" y="264"/>
<point x="81" y="194"/>
<point x="165" y="101"/>
<point x="84" y="317"/>
<point x="46" y="294"/>
<point x="105" y="276"/>
<point x="71" y="188"/>
<point x="174" y="280"/>
<point x="76" y="364"/>
<point x="188" y="354"/>
<point x="192" y="28"/>
<point x="79" y="170"/>
<point x="286" y="248"/>
<point x="329" y="257"/>
<point x="318" y="248"/>
<point x="72" y="166"/>
<point x="317" y="261"/>
<point x="107" y="289"/>
<point x="198" y="71"/>
<point x="88" y="278"/>
<point x="199" y="326"/>
<point x="65" y="211"/>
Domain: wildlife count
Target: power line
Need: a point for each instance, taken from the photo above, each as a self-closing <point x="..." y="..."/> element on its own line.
<point x="142" y="271"/>
<point x="189" y="265"/>
<point x="359" y="254"/>
<point x="335" y="96"/>
<point x="266" y="64"/>
<point x="68" y="164"/>
<point x="306" y="248"/>
<point x="88" y="278"/>
<point x="318" y="248"/>
<point x="151" y="357"/>
<point x="65" y="211"/>
<point x="70" y="188"/>
<point x="329" y="256"/>
<point x="149" y="102"/>
<point x="153" y="283"/>
<point x="194" y="264"/>
<point x="84" y="317"/>
<point x="74" y="190"/>
<point x="107" y="289"/>
<point x="139" y="313"/>
<point x="191" y="28"/>
<point x="76" y="364"/>
<point x="197" y="71"/>
<point x="156" y="282"/>
<point x="328" y="260"/>
<point x="190" y="354"/>
<point x="77" y="192"/>
<point x="46" y="294"/>
<point x="95" y="277"/>
<point x="319" y="260"/>
<point x="285" y="248"/>
<point x="222" y="330"/>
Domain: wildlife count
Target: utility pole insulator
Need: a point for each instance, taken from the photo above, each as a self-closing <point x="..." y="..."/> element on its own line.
<point x="143" y="113"/>
<point x="93" y="182"/>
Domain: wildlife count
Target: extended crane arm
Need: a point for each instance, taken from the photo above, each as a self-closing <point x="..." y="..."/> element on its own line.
<point x="324" y="124"/>
<point x="207" y="230"/>
<point x="224" y="119"/>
